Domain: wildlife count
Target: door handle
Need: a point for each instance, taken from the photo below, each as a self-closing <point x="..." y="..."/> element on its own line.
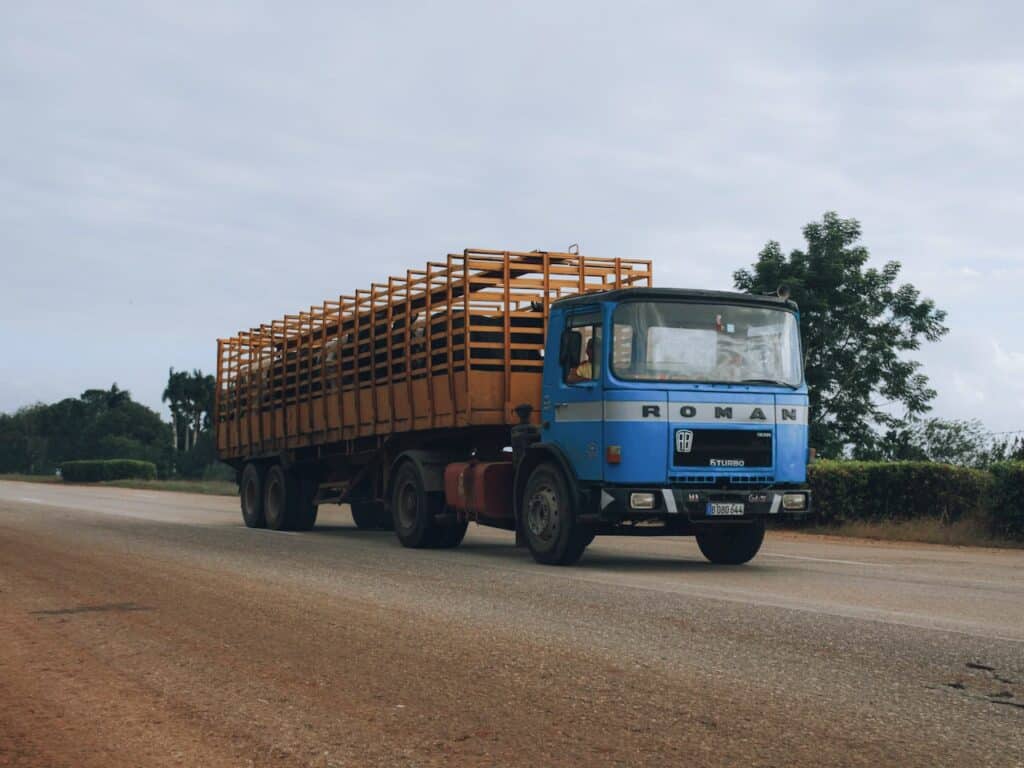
<point x="559" y="406"/>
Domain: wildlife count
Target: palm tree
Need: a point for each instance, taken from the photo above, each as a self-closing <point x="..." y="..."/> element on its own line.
<point x="176" y="395"/>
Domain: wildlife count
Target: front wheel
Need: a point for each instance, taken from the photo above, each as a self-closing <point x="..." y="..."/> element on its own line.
<point x="731" y="544"/>
<point x="549" y="521"/>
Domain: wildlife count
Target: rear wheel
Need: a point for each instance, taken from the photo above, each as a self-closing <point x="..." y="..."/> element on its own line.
<point x="731" y="544"/>
<point x="412" y="508"/>
<point x="250" y="492"/>
<point x="549" y="525"/>
<point x="451" y="535"/>
<point x="370" y="515"/>
<point x="280" y="498"/>
<point x="303" y="516"/>
<point x="414" y="511"/>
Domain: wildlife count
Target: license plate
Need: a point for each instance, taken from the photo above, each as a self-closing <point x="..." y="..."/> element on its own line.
<point x="724" y="508"/>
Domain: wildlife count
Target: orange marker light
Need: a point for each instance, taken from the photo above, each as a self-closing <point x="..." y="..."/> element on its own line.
<point x="613" y="454"/>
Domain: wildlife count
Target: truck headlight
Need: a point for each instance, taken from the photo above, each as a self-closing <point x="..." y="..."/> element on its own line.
<point x="794" y="502"/>
<point x="641" y="500"/>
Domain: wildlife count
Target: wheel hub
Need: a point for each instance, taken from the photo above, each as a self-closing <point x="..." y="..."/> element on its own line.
<point x="274" y="500"/>
<point x="542" y="514"/>
<point x="407" y="503"/>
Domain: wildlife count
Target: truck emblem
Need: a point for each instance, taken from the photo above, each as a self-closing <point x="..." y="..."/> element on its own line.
<point x="684" y="440"/>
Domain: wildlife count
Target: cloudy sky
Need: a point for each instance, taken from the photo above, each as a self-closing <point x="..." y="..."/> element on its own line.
<point x="173" y="172"/>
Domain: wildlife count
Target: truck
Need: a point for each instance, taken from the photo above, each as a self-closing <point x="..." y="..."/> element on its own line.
<point x="552" y="394"/>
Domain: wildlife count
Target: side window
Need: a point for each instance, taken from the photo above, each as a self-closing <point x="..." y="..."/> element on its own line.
<point x="586" y="365"/>
<point x="622" y="347"/>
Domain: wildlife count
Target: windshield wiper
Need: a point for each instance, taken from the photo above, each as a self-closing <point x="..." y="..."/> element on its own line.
<point x="770" y="382"/>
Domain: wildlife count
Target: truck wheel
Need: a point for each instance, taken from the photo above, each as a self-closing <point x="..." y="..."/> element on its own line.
<point x="549" y="521"/>
<point x="302" y="516"/>
<point x="451" y="536"/>
<point x="413" y="509"/>
<point x="251" y="493"/>
<point x="280" y="498"/>
<point x="731" y="544"/>
<point x="369" y="515"/>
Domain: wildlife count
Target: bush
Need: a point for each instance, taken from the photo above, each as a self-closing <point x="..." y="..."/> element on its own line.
<point x="897" y="490"/>
<point x="1006" y="510"/>
<point x="93" y="471"/>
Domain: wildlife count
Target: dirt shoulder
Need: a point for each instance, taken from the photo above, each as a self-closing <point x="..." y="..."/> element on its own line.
<point x="115" y="657"/>
<point x="205" y="487"/>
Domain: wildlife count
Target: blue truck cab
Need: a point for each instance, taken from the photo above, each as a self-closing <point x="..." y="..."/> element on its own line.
<point x="667" y="411"/>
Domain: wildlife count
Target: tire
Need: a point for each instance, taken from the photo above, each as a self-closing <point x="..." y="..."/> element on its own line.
<point x="280" y="498"/>
<point x="731" y="544"/>
<point x="302" y="516"/>
<point x="450" y="536"/>
<point x="549" y="520"/>
<point x="250" y="492"/>
<point x="369" y="515"/>
<point x="413" y="511"/>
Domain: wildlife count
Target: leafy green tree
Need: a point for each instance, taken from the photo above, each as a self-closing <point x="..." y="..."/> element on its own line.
<point x="175" y="397"/>
<point x="949" y="441"/>
<point x="101" y="424"/>
<point x="858" y="326"/>
<point x="190" y="399"/>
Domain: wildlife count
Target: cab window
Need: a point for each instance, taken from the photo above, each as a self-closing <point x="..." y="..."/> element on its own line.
<point x="584" y="364"/>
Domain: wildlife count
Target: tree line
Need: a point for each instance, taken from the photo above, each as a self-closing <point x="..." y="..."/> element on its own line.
<point x="868" y="398"/>
<point x="108" y="424"/>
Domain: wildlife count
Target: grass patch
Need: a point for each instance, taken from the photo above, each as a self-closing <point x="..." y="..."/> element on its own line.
<point x="19" y="478"/>
<point x="209" y="487"/>
<point x="965" y="532"/>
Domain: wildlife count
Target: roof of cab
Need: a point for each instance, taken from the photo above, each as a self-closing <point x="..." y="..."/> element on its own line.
<point x="678" y="294"/>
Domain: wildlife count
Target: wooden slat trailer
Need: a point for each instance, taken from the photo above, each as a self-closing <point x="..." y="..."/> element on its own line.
<point x="421" y="371"/>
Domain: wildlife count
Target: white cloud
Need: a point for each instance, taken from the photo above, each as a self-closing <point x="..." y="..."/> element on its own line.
<point x="171" y="174"/>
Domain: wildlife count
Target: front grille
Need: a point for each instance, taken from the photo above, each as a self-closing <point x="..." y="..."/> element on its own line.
<point x="690" y="479"/>
<point x="735" y="449"/>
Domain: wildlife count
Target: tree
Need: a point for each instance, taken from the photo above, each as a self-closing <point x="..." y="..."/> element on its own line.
<point x="101" y="424"/>
<point x="858" y="325"/>
<point x="200" y="391"/>
<point x="175" y="396"/>
<point x="949" y="441"/>
<point x="190" y="399"/>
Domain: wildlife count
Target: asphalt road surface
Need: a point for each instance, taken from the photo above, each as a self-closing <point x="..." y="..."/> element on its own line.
<point x="144" y="628"/>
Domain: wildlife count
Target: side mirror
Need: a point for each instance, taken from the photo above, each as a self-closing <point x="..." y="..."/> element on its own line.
<point x="570" y="348"/>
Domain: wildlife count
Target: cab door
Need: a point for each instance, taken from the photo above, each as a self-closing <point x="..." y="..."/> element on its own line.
<point x="573" y="397"/>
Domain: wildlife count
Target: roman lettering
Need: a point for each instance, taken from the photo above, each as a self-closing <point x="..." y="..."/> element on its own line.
<point x="687" y="411"/>
<point x="758" y="414"/>
<point x="723" y="413"/>
<point x="652" y="411"/>
<point x="788" y="414"/>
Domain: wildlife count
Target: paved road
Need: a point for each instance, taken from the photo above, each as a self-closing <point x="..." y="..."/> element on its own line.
<point x="145" y="628"/>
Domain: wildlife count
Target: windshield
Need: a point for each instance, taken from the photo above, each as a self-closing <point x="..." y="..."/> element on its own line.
<point x="682" y="341"/>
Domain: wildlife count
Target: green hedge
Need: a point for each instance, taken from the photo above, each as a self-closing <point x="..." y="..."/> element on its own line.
<point x="902" y="490"/>
<point x="896" y="490"/>
<point x="91" y="471"/>
<point x="1006" y="508"/>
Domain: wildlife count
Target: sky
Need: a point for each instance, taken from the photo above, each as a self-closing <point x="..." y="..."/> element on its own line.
<point x="175" y="172"/>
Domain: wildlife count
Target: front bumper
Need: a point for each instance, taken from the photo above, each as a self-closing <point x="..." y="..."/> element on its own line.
<point x="696" y="505"/>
